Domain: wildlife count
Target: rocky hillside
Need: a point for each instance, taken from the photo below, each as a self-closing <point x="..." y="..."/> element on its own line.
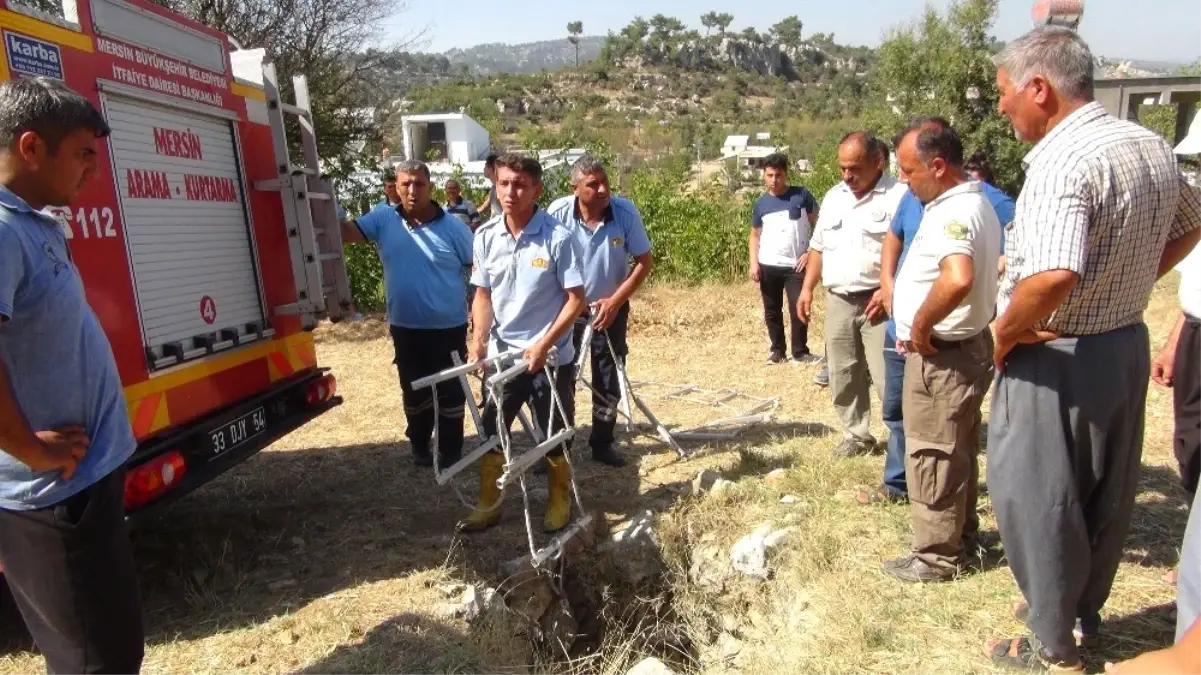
<point x="531" y="57"/>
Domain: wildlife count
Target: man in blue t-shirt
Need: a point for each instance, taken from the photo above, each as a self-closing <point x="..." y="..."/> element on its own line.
<point x="64" y="427"/>
<point x="423" y="251"/>
<point x="779" y="247"/>
<point x="900" y="235"/>
<point x="609" y="232"/>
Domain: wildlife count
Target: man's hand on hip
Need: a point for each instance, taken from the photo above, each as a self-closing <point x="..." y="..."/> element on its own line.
<point x="800" y="262"/>
<point x="61" y="449"/>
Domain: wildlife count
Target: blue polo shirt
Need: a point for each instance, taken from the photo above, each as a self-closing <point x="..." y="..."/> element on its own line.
<point x="608" y="248"/>
<point x="57" y="356"/>
<point x="423" y="267"/>
<point x="529" y="276"/>
<point x="908" y="218"/>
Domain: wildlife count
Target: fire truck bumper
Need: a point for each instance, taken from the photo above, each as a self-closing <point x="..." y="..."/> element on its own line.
<point x="166" y="468"/>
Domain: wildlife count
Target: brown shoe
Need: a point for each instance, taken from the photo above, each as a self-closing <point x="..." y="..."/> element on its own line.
<point x="913" y="568"/>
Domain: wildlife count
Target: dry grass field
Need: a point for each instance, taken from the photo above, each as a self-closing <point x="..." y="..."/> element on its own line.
<point x="326" y="552"/>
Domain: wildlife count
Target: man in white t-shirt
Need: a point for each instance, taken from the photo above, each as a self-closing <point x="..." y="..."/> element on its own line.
<point x="779" y="247"/>
<point x="944" y="298"/>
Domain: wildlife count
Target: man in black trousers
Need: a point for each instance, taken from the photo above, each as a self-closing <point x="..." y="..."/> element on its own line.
<point x="779" y="247"/>
<point x="64" y="427"/>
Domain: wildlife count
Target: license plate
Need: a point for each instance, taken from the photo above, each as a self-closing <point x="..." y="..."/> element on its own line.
<point x="235" y="433"/>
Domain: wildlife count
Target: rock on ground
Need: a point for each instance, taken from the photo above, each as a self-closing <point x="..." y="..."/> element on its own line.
<point x="750" y="555"/>
<point x="650" y="666"/>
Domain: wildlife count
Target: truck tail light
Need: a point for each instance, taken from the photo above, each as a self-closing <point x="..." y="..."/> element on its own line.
<point x="321" y="390"/>
<point x="147" y="482"/>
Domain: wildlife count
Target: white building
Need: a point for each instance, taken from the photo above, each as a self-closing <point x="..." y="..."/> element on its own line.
<point x="734" y="145"/>
<point x="454" y="138"/>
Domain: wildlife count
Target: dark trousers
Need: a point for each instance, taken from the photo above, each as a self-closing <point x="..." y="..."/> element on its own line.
<point x="894" y="419"/>
<point x="774" y="284"/>
<point x="71" y="570"/>
<point x="1065" y="440"/>
<point x="605" y="378"/>
<point x="420" y="353"/>
<point x="535" y="389"/>
<point x="1186" y="397"/>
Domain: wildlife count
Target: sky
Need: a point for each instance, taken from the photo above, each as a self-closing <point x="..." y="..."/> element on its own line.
<point x="1170" y="29"/>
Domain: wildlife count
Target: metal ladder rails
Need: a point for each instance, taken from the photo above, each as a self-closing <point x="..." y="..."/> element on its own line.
<point x="314" y="233"/>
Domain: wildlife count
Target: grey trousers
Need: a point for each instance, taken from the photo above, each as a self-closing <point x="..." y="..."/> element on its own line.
<point x="1065" y="441"/>
<point x="854" y="349"/>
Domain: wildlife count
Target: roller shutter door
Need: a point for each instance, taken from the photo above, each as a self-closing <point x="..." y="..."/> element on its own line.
<point x="186" y="224"/>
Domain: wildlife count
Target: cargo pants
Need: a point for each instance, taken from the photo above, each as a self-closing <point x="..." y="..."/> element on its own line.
<point x="942" y="397"/>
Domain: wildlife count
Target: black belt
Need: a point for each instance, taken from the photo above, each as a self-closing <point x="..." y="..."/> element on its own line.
<point x="941" y="344"/>
<point x="857" y="295"/>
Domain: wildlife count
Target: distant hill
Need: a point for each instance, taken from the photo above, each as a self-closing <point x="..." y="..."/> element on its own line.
<point x="530" y="57"/>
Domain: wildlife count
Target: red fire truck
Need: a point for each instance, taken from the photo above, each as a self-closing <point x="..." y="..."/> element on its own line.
<point x="206" y="252"/>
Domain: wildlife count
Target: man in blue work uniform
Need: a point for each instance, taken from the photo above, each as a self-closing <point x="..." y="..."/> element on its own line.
<point x="423" y="251"/>
<point x="609" y="231"/>
<point x="391" y="198"/>
<point x="64" y="428"/>
<point x="529" y="291"/>
<point x="896" y="244"/>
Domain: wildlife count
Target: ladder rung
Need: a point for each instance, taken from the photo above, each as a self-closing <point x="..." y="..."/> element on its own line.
<point x="293" y="308"/>
<point x="330" y="256"/>
<point x="303" y="171"/>
<point x="273" y="185"/>
<point x="556" y="545"/>
<point x="526" y="460"/>
<point x="318" y="195"/>
<point x="483" y="449"/>
<point x="293" y="110"/>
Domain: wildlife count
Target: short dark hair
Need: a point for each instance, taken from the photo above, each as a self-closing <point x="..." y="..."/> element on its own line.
<point x="454" y="182"/>
<point x="48" y="108"/>
<point x="978" y="162"/>
<point x="515" y="161"/>
<point x="918" y="123"/>
<point x="870" y="142"/>
<point x="777" y="161"/>
<point x="391" y="177"/>
<point x="942" y="142"/>
<point x="490" y="160"/>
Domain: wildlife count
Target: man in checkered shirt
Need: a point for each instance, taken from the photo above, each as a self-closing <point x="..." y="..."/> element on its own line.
<point x="1103" y="214"/>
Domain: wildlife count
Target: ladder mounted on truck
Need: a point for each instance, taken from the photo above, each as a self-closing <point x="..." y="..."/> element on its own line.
<point x="314" y="233"/>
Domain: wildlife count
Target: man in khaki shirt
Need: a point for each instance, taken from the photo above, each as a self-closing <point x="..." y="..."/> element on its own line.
<point x="845" y="254"/>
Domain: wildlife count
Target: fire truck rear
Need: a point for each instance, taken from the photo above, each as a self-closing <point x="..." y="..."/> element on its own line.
<point x="206" y="252"/>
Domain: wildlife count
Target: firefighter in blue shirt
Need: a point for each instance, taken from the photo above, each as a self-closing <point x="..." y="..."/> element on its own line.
<point x="529" y="291"/>
<point x="609" y="231"/>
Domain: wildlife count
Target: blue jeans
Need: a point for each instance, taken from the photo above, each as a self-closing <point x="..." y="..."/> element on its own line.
<point x="894" y="458"/>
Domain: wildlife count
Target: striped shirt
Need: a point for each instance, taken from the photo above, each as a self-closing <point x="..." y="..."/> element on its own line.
<point x="1102" y="198"/>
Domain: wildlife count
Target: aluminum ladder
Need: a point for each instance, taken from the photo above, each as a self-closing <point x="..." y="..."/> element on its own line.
<point x="314" y="233"/>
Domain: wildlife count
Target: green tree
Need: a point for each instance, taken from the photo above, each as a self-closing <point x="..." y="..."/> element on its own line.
<point x="574" y="30"/>
<point x="1190" y="69"/>
<point x="787" y="31"/>
<point x="942" y="65"/>
<point x="664" y="30"/>
<point x="721" y="21"/>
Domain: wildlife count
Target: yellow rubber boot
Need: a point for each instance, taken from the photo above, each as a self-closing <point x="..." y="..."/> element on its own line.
<point x="558" y="503"/>
<point x="487" y="511"/>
